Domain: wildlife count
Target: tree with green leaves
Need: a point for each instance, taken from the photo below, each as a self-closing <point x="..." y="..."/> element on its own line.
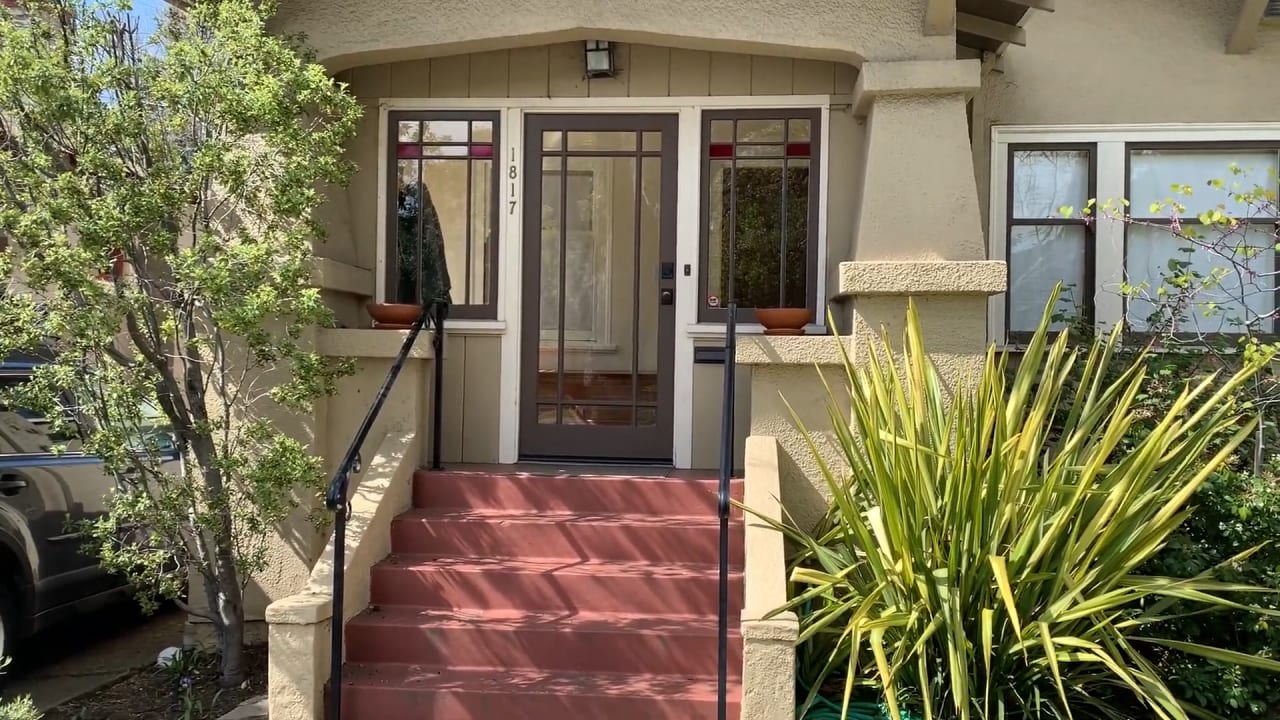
<point x="157" y="198"/>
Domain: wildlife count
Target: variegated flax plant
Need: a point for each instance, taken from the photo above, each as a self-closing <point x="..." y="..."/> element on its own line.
<point x="979" y="556"/>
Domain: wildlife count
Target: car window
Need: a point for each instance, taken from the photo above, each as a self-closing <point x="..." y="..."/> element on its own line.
<point x="25" y="431"/>
<point x="155" y="431"/>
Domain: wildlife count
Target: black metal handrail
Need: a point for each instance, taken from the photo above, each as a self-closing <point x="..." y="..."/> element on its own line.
<point x="336" y="500"/>
<point x="726" y="472"/>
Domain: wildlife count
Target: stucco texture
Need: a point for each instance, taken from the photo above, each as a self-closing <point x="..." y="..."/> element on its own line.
<point x="1136" y="61"/>
<point x="346" y="33"/>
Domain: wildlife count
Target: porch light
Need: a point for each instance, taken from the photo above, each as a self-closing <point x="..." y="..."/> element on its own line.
<point x="599" y="57"/>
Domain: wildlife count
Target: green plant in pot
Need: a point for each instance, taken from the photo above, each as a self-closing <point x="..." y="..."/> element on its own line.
<point x="422" y="273"/>
<point x="980" y="557"/>
<point x="769" y="266"/>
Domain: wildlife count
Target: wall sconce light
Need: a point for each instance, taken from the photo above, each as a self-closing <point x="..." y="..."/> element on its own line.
<point x="599" y="59"/>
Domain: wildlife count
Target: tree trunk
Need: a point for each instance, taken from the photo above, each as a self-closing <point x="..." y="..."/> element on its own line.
<point x="231" y="640"/>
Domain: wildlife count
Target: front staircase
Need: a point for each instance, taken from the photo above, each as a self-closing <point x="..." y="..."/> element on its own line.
<point x="512" y="596"/>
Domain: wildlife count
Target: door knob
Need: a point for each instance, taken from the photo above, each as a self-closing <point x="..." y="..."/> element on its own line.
<point x="666" y="296"/>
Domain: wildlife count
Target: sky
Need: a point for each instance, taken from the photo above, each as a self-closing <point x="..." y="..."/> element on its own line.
<point x="147" y="11"/>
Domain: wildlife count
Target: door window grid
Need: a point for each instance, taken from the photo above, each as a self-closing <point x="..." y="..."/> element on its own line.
<point x="759" y="210"/>
<point x="443" y="200"/>
<point x="564" y="155"/>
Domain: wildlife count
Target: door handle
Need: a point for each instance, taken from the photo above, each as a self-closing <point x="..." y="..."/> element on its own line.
<point x="666" y="296"/>
<point x="11" y="485"/>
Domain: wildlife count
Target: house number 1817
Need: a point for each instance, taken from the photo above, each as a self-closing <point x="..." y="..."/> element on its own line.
<point x="512" y="174"/>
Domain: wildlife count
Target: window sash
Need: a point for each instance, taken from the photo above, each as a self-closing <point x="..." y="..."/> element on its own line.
<point x="1141" y="211"/>
<point x="814" y="117"/>
<point x="1142" y="214"/>
<point x="481" y="263"/>
<point x="1084" y="296"/>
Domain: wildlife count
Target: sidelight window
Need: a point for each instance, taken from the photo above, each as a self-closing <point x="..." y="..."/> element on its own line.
<point x="759" y="210"/>
<point x="443" y="203"/>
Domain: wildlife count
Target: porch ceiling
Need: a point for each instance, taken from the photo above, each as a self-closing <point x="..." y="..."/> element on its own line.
<point x="990" y="26"/>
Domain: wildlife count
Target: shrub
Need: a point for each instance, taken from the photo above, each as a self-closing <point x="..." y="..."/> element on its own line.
<point x="1236" y="509"/>
<point x="981" y="557"/>
<point x="19" y="709"/>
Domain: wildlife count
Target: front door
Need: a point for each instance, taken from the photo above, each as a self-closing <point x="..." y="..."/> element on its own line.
<point x="599" y="287"/>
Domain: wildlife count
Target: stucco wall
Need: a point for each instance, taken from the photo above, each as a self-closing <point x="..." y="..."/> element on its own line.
<point x="1136" y="61"/>
<point x="346" y="33"/>
<point x="708" y="398"/>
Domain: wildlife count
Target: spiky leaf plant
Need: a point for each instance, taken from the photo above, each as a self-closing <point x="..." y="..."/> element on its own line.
<point x="979" y="555"/>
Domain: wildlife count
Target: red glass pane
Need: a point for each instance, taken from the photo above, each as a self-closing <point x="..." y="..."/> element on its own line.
<point x="720" y="150"/>
<point x="481" y="151"/>
<point x="798" y="149"/>
<point x="408" y="150"/>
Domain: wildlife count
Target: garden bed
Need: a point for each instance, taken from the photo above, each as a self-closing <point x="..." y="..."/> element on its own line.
<point x="162" y="693"/>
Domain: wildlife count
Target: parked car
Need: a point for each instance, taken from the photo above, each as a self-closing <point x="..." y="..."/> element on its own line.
<point x="48" y="486"/>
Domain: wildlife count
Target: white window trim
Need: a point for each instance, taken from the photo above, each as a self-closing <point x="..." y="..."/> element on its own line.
<point x="688" y="232"/>
<point x="1109" y="142"/>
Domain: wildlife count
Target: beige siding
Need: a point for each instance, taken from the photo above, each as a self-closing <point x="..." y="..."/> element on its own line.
<point x="557" y="71"/>
<point x="469" y="425"/>
<point x="708" y="394"/>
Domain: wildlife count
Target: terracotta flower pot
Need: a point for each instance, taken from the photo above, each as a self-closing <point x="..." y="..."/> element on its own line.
<point x="393" y="316"/>
<point x="784" y="321"/>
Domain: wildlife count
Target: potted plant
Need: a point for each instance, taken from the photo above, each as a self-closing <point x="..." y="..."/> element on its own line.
<point x="422" y="275"/>
<point x="758" y="229"/>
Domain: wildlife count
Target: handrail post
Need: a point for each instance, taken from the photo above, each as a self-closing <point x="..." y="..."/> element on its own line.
<point x="437" y="402"/>
<point x="335" y="499"/>
<point x="726" y="472"/>
<point x="336" y="626"/>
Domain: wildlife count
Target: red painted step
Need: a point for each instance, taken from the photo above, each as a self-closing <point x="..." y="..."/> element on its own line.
<point x="581" y="642"/>
<point x="550" y="585"/>
<point x="562" y="535"/>
<point x="410" y="692"/>
<point x="524" y="596"/>
<point x="658" y="495"/>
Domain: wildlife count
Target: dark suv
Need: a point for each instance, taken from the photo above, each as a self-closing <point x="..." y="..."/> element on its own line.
<point x="45" y="576"/>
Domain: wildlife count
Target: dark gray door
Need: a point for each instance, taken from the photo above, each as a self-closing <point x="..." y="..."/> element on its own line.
<point x="599" y="287"/>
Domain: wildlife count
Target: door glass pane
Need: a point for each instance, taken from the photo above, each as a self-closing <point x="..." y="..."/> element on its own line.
<point x="622" y="141"/>
<point x="597" y="415"/>
<point x="549" y="287"/>
<point x="646" y="308"/>
<point x="598" y="290"/>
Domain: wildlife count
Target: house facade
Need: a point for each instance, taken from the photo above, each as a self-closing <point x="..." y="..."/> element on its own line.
<point x="606" y="178"/>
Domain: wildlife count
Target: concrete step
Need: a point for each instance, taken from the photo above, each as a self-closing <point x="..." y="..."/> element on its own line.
<point x="551" y="585"/>
<point x="564" y="535"/>
<point x="580" y="641"/>
<point x="657" y="495"/>
<point x="413" y="692"/>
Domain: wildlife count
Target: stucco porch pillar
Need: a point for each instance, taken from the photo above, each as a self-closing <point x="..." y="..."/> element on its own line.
<point x="918" y="231"/>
